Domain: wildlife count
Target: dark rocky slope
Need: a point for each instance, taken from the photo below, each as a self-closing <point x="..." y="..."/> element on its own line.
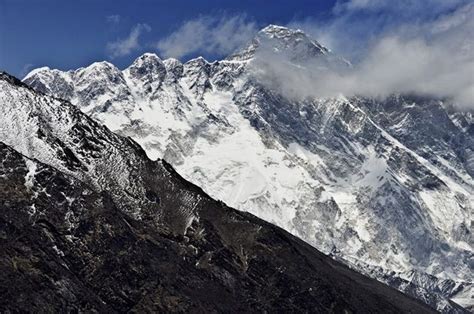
<point x="108" y="261"/>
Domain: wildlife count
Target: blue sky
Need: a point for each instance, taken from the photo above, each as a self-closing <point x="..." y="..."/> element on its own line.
<point x="69" y="34"/>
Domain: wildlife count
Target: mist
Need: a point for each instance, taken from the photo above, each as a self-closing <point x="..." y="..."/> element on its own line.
<point x="434" y="58"/>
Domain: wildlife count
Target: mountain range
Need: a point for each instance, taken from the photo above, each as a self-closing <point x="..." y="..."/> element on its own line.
<point x="89" y="224"/>
<point x="383" y="185"/>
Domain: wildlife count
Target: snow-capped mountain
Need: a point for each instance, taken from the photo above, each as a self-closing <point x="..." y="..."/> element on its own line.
<point x="90" y="224"/>
<point x="384" y="185"/>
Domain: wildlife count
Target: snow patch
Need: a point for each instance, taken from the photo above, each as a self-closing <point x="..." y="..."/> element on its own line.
<point x="30" y="176"/>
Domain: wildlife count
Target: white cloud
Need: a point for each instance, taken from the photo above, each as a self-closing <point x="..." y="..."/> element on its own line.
<point x="113" y="19"/>
<point x="357" y="24"/>
<point x="208" y="34"/>
<point x="432" y="58"/>
<point x="26" y="69"/>
<point x="125" y="46"/>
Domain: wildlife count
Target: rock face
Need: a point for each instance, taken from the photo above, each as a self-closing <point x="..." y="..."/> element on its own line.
<point x="89" y="223"/>
<point x="384" y="185"/>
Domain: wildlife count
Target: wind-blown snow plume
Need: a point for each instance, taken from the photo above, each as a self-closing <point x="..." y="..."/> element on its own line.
<point x="125" y="46"/>
<point x="209" y="35"/>
<point x="113" y="18"/>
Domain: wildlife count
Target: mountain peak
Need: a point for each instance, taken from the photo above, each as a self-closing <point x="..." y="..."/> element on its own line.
<point x="199" y="60"/>
<point x="279" y="31"/>
<point x="290" y="38"/>
<point x="99" y="72"/>
<point x="277" y="39"/>
<point x="36" y="71"/>
<point x="147" y="57"/>
<point x="150" y="55"/>
<point x="101" y="65"/>
<point x="148" y="67"/>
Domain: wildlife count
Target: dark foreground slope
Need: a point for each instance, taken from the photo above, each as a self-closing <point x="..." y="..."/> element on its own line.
<point x="107" y="260"/>
<point x="72" y="240"/>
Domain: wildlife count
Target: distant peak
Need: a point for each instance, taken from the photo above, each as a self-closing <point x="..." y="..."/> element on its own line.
<point x="36" y="71"/>
<point x="101" y="64"/>
<point x="148" y="56"/>
<point x="99" y="67"/>
<point x="199" y="60"/>
<point x="148" y="59"/>
<point x="147" y="67"/>
<point x="273" y="29"/>
<point x="280" y="39"/>
<point x="272" y="26"/>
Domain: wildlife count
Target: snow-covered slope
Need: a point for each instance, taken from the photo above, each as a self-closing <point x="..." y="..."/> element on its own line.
<point x="73" y="239"/>
<point x="385" y="186"/>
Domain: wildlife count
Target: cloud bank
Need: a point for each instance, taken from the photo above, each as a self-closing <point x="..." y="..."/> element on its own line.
<point x="125" y="46"/>
<point x="207" y="34"/>
<point x="432" y="57"/>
